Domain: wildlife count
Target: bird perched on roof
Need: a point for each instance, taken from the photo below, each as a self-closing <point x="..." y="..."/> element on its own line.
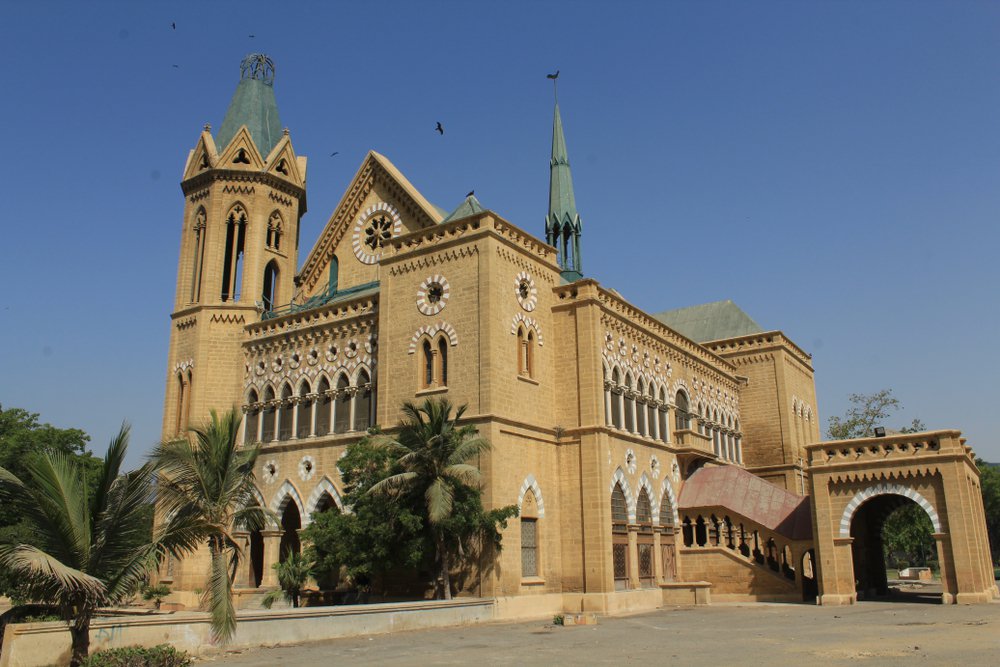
<point x="553" y="76"/>
<point x="471" y="193"/>
<point x="439" y="129"/>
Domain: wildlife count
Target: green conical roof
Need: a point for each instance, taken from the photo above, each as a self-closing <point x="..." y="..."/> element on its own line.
<point x="253" y="105"/>
<point x="562" y="202"/>
<point x="470" y="206"/>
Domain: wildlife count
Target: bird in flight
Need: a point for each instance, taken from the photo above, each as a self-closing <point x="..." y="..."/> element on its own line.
<point x="553" y="76"/>
<point x="251" y="36"/>
<point x="439" y="129"/>
<point x="173" y="25"/>
<point x="471" y="193"/>
<point x="334" y="153"/>
<point x="177" y="66"/>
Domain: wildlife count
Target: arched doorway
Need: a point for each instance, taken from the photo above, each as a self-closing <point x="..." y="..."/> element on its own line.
<point x="291" y="522"/>
<point x="868" y="548"/>
<point x="808" y="572"/>
<point x="256" y="558"/>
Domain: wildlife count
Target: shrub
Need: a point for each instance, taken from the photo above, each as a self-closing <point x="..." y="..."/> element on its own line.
<point x="163" y="655"/>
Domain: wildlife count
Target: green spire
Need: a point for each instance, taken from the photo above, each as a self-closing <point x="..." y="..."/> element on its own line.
<point x="563" y="224"/>
<point x="253" y="105"/>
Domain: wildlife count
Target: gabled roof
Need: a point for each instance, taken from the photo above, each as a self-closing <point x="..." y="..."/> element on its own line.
<point x="735" y="489"/>
<point x="710" y="321"/>
<point x="470" y="206"/>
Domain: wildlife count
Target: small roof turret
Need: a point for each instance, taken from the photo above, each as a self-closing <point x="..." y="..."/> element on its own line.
<point x="253" y="105"/>
<point x="562" y="224"/>
<point x="470" y="206"/>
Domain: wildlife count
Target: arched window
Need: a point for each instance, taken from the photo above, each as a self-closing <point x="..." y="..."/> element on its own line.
<point x="529" y="536"/>
<point x="200" y="226"/>
<point x="682" y="417"/>
<point x="664" y="416"/>
<point x="668" y="551"/>
<point x="529" y="356"/>
<point x="324" y="406"/>
<point x="286" y="414"/>
<point x="363" y="402"/>
<point x="713" y="431"/>
<point x="442" y="361"/>
<point x="342" y="412"/>
<point x="629" y="404"/>
<point x="616" y="400"/>
<point x="653" y="428"/>
<point x="428" y="365"/>
<point x="738" y="441"/>
<point x="181" y="398"/>
<point x="607" y="398"/>
<point x="274" y="231"/>
<point x="232" y="271"/>
<point x="303" y="412"/>
<point x="270" y="293"/>
<point x="644" y="539"/>
<point x="253" y="418"/>
<point x="267" y="428"/>
<point x="186" y="405"/>
<point x="640" y="408"/>
<point x="619" y="538"/>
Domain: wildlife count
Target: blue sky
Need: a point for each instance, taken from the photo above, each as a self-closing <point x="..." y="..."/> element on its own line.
<point x="830" y="166"/>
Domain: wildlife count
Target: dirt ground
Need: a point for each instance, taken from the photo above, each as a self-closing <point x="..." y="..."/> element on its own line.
<point x="912" y="632"/>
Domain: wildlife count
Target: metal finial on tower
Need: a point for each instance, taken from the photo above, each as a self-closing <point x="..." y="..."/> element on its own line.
<point x="257" y="66"/>
<point x="555" y="84"/>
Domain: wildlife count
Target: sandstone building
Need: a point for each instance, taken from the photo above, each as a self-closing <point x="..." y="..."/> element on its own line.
<point x="654" y="457"/>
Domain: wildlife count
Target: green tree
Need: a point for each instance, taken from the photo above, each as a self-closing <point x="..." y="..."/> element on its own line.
<point x="865" y="413"/>
<point x="375" y="536"/>
<point x="293" y="572"/>
<point x="88" y="549"/>
<point x="209" y="482"/>
<point x="433" y="450"/>
<point x="989" y="482"/>
<point x="907" y="530"/>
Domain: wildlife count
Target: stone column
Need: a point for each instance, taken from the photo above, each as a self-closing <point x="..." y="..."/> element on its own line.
<point x="272" y="544"/>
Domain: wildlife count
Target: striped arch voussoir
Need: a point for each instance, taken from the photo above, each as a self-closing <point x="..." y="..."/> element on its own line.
<point x="654" y="501"/>
<point x="432" y="330"/>
<point x="285" y="494"/>
<point x="531" y="483"/>
<point x="619" y="478"/>
<point x="325" y="486"/>
<point x="528" y="322"/>
<point x="667" y="489"/>
<point x="881" y="490"/>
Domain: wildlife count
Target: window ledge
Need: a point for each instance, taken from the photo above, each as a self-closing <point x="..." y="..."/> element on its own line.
<point x="532" y="581"/>
<point x="432" y="390"/>
<point x="529" y="380"/>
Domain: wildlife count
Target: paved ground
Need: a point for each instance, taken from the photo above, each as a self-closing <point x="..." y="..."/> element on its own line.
<point x="876" y="633"/>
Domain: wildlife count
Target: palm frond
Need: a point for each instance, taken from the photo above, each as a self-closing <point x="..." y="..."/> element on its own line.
<point x="393" y="483"/>
<point x="41" y="568"/>
<point x="218" y="597"/>
<point x="439" y="496"/>
<point x="463" y="473"/>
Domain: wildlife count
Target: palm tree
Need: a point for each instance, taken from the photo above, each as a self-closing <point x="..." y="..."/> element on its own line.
<point x="434" y="451"/>
<point x="211" y="482"/>
<point x="293" y="573"/>
<point x="88" y="552"/>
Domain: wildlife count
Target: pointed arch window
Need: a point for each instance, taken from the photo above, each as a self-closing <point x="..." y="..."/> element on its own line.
<point x="363" y="402"/>
<point x="434" y="362"/>
<point x="619" y="538"/>
<point x="682" y="416"/>
<point x="629" y="404"/>
<point x="269" y="296"/>
<point x="269" y="418"/>
<point x="342" y="411"/>
<point x="200" y="225"/>
<point x="525" y="352"/>
<point x="529" y="536"/>
<point x="232" y="271"/>
<point x="667" y="549"/>
<point x="652" y="425"/>
<point x="253" y="418"/>
<point x="324" y="407"/>
<point x="442" y="345"/>
<point x="181" y="400"/>
<point x="644" y="539"/>
<point x="303" y="412"/>
<point x="286" y="414"/>
<point x="664" y="416"/>
<point x="617" y="406"/>
<point x="640" y="408"/>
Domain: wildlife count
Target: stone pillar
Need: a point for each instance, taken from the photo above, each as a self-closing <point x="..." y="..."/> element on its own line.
<point x="658" y="555"/>
<point x="633" y="557"/>
<point x="243" y="580"/>
<point x="948" y="583"/>
<point x="272" y="544"/>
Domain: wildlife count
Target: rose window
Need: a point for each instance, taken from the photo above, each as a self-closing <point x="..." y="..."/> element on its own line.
<point x="378" y="232"/>
<point x="373" y="231"/>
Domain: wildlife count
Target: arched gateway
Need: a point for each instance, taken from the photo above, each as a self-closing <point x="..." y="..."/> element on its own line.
<point x="856" y="484"/>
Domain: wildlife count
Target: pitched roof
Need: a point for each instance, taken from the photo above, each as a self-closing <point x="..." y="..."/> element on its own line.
<point x="470" y="206"/>
<point x="710" y="321"/>
<point x="736" y="489"/>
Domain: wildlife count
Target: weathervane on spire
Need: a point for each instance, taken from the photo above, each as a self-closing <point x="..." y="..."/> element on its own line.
<point x="555" y="84"/>
<point x="257" y="66"/>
